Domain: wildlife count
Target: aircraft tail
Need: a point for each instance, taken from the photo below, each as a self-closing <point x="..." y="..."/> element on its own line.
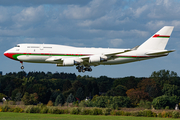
<point x="159" y="40"/>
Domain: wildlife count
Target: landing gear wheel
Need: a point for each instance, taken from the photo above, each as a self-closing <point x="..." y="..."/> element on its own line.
<point x="89" y="69"/>
<point x="83" y="68"/>
<point x="22" y="67"/>
<point x="77" y="67"/>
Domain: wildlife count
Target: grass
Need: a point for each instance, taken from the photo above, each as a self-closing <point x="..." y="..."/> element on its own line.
<point x="31" y="116"/>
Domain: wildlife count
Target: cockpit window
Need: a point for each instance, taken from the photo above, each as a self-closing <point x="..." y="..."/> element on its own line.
<point x="17" y="46"/>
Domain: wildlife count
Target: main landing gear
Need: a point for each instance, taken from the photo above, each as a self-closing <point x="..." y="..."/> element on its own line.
<point x="83" y="69"/>
<point x="22" y="67"/>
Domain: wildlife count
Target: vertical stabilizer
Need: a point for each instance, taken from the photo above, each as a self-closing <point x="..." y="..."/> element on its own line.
<point x="159" y="40"/>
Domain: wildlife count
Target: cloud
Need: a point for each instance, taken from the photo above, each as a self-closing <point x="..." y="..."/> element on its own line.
<point x="176" y="23"/>
<point x="154" y="25"/>
<point x="3" y="14"/>
<point x="166" y="3"/>
<point x="29" y="17"/>
<point x="40" y="2"/>
<point x="140" y="10"/>
<point x="95" y="9"/>
<point x="116" y="42"/>
<point x="97" y="19"/>
<point x="93" y="20"/>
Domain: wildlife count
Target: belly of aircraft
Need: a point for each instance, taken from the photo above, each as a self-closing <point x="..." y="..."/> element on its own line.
<point x="33" y="58"/>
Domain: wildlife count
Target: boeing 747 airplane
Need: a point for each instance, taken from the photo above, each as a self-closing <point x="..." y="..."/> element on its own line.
<point x="84" y="58"/>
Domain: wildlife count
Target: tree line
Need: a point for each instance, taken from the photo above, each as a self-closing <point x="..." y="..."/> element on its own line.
<point x="162" y="89"/>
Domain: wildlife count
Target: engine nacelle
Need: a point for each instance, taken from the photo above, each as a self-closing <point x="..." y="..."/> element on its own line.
<point x="95" y="59"/>
<point x="68" y="62"/>
<point x="72" y="62"/>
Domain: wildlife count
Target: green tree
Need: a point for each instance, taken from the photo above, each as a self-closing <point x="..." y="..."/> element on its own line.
<point x="33" y="98"/>
<point x="8" y="84"/>
<point x="26" y="98"/>
<point x="105" y="83"/>
<point x="164" y="100"/>
<point x="101" y="102"/>
<point x="67" y="85"/>
<point x="14" y="92"/>
<point x="80" y="93"/>
<point x="112" y="102"/>
<point x="49" y="74"/>
<point x="30" y="99"/>
<point x="161" y="102"/>
<point x="88" y="89"/>
<point x="66" y="93"/>
<point x="41" y="90"/>
<point x="59" y="100"/>
<point x="18" y="96"/>
<point x="95" y="88"/>
<point x="122" y="101"/>
<point x="117" y="91"/>
<point x="70" y="98"/>
<point x="128" y="82"/>
<point x="21" y="74"/>
<point x="164" y="77"/>
<point x="171" y="90"/>
<point x="173" y="100"/>
<point x="54" y="95"/>
<point x="149" y="86"/>
<point x="102" y="87"/>
<point x="77" y="84"/>
<point x="27" y="84"/>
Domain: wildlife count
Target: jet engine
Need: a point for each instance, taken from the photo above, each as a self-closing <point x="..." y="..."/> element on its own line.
<point x="72" y="62"/>
<point x="68" y="62"/>
<point x="95" y="59"/>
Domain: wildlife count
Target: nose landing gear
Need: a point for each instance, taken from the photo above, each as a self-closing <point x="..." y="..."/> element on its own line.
<point x="22" y="67"/>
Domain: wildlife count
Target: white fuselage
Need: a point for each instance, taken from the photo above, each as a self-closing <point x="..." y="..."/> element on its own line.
<point x="39" y="53"/>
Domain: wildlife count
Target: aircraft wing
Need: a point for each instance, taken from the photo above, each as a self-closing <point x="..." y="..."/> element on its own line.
<point x="111" y="54"/>
<point x="159" y="52"/>
<point x="85" y="59"/>
<point x="54" y="58"/>
<point x="115" y="53"/>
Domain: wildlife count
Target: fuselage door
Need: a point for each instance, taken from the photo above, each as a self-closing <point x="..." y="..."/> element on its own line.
<point x="41" y="47"/>
<point x="27" y="51"/>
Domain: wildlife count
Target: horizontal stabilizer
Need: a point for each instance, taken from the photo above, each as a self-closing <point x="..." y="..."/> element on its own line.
<point x="159" y="52"/>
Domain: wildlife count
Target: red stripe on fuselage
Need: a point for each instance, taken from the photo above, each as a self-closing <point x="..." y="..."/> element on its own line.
<point x="10" y="55"/>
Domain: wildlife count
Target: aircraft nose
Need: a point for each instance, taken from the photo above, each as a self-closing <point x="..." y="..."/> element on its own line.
<point x="6" y="54"/>
<point x="9" y="55"/>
